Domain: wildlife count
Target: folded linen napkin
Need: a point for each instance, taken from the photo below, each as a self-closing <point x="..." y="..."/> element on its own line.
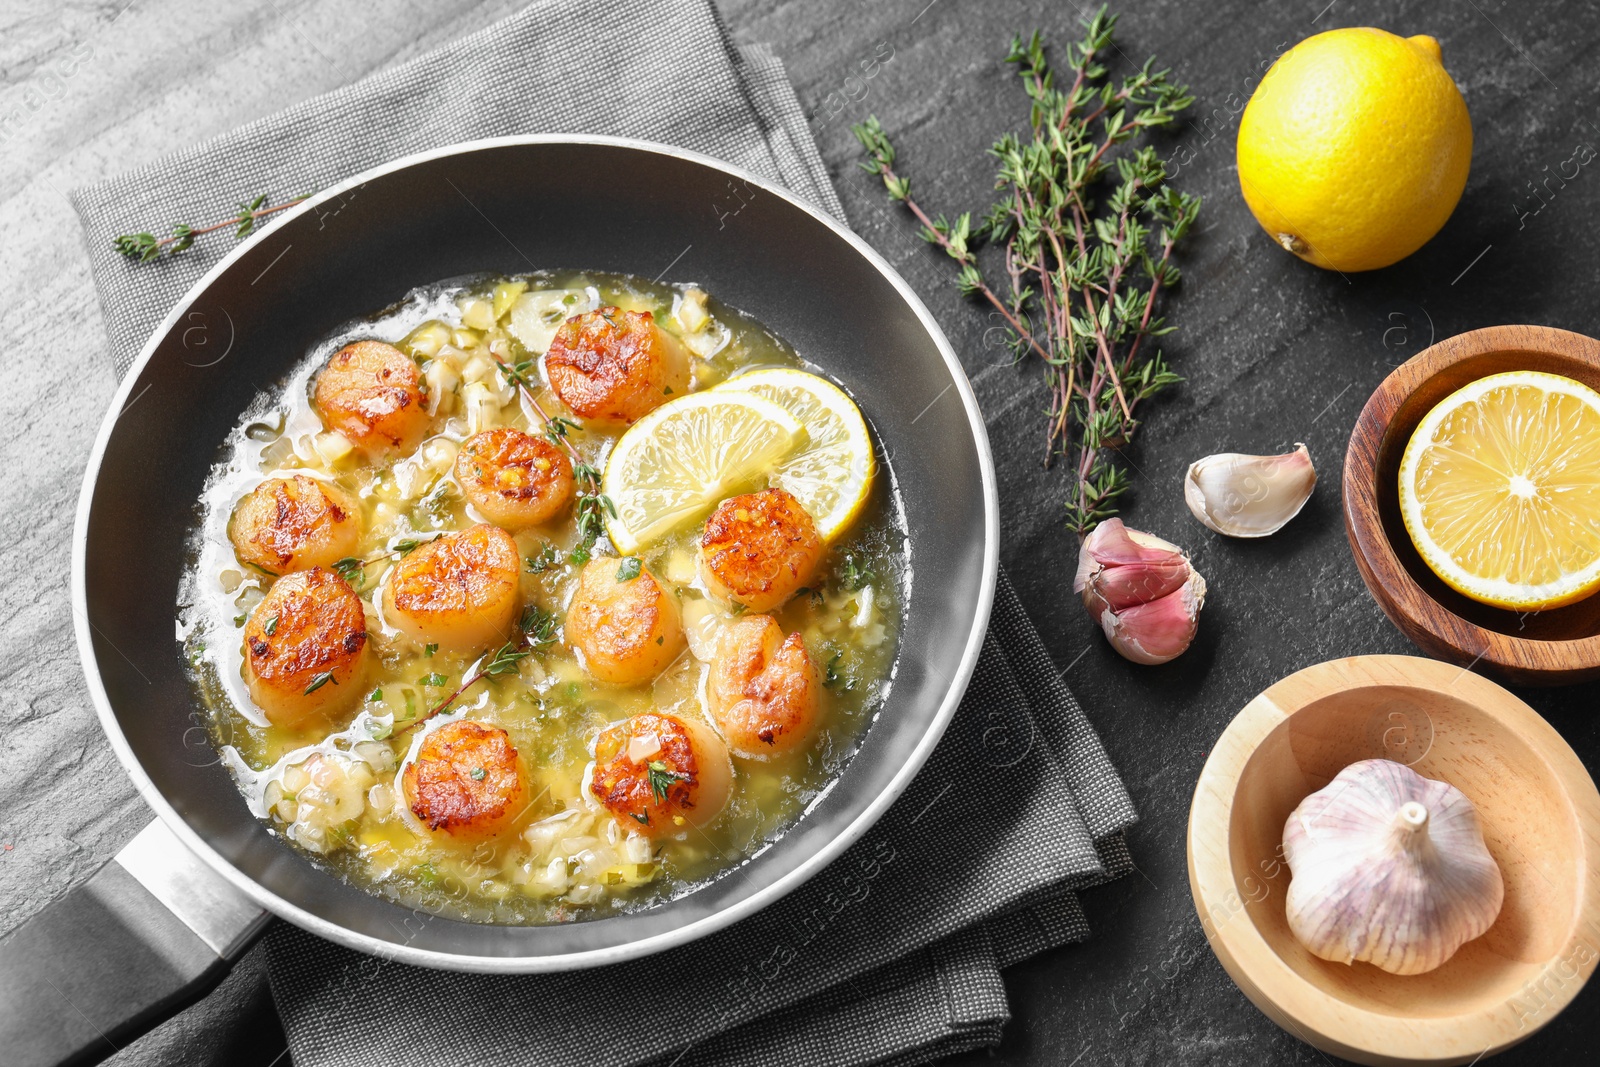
<point x="893" y="953"/>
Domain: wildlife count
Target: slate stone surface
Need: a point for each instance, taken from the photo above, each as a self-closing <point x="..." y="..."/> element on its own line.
<point x="1274" y="352"/>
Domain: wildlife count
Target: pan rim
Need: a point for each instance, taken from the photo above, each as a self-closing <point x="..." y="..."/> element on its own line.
<point x="742" y="908"/>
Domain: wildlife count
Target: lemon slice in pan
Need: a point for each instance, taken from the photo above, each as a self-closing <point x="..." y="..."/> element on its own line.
<point x="832" y="474"/>
<point x="678" y="462"/>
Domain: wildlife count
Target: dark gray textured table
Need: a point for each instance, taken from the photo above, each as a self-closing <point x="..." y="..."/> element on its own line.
<point x="1273" y="351"/>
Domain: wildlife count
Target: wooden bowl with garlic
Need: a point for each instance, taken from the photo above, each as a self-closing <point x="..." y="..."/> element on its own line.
<point x="1490" y="947"/>
<point x="1555" y="644"/>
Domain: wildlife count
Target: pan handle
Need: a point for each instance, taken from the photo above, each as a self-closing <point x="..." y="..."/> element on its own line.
<point x="147" y="935"/>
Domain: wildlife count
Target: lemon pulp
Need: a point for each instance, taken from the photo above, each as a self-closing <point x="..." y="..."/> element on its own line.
<point x="1500" y="490"/>
<point x="678" y="462"/>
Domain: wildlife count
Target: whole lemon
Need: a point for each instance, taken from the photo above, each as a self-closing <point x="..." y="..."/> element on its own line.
<point x="1355" y="148"/>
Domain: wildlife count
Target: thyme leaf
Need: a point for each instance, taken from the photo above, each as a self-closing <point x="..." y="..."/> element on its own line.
<point x="663" y="778"/>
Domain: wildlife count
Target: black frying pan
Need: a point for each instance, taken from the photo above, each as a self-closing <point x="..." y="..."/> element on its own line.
<point x="158" y="926"/>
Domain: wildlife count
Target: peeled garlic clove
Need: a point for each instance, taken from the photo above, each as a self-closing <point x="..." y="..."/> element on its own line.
<point x="1141" y="590"/>
<point x="1249" y="496"/>
<point x="1389" y="867"/>
<point x="1158" y="630"/>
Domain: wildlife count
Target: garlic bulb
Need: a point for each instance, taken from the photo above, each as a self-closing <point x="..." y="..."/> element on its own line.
<point x="1141" y="590"/>
<point x="1389" y="867"/>
<point x="1249" y="496"/>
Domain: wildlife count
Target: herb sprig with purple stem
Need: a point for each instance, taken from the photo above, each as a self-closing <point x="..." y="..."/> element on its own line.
<point x="1082" y="273"/>
<point x="143" y="247"/>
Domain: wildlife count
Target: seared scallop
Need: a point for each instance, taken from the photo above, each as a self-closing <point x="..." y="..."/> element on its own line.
<point x="371" y="393"/>
<point x="758" y="549"/>
<point x="514" y="479"/>
<point x="611" y="365"/>
<point x="763" y="690"/>
<point x="465" y="780"/>
<point x="289" y="524"/>
<point x="625" y="625"/>
<point x="458" y="591"/>
<point x="658" y="774"/>
<point x="305" y="647"/>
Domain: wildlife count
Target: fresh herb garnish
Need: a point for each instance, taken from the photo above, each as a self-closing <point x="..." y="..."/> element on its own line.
<point x="629" y="570"/>
<point x="435" y="679"/>
<point x="351" y="570"/>
<point x="641" y="817"/>
<point x="380" y="731"/>
<point x="319" y="680"/>
<point x="1082" y="273"/>
<point x="590" y="505"/>
<point x="430" y="648"/>
<point x="478" y="774"/>
<point x="549" y="556"/>
<point x="408" y="545"/>
<point x="505" y="660"/>
<point x="663" y="778"/>
<point x="271" y="626"/>
<point x="855" y="571"/>
<point x="538" y="626"/>
<point x="375" y="696"/>
<point x="143" y="247"/>
<point x="238" y="620"/>
<point x="830" y="676"/>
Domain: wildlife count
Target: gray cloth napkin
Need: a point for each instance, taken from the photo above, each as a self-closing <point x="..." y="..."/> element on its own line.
<point x="890" y="955"/>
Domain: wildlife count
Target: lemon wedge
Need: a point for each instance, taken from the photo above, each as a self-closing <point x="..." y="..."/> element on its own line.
<point x="832" y="475"/>
<point x="1500" y="490"/>
<point x="681" y="460"/>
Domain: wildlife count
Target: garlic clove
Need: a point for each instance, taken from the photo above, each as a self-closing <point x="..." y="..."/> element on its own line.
<point x="1159" y="630"/>
<point x="1119" y="567"/>
<point x="1141" y="590"/>
<point x="1390" y="868"/>
<point x="1249" y="496"/>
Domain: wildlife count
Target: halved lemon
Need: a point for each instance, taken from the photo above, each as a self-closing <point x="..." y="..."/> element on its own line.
<point x="1500" y="490"/>
<point x="682" y="459"/>
<point x="832" y="475"/>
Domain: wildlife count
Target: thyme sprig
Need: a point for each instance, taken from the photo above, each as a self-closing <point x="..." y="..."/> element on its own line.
<point x="353" y="569"/>
<point x="143" y="247"/>
<point x="1085" y="236"/>
<point x="535" y="630"/>
<point x="662" y="778"/>
<point x="590" y="505"/>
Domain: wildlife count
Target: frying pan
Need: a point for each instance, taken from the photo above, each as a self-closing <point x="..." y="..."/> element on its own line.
<point x="160" y="924"/>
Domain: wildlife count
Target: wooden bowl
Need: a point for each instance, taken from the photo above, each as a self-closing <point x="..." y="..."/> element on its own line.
<point x="1534" y="648"/>
<point x="1541" y="820"/>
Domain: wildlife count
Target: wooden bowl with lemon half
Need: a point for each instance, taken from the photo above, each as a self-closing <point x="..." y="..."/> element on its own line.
<point x="1530" y="643"/>
<point x="1540" y="816"/>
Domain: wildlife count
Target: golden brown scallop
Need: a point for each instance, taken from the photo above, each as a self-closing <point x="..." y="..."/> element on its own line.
<point x="758" y="549"/>
<point x="305" y="647"/>
<point x="627" y="626"/>
<point x="465" y="780"/>
<point x="763" y="690"/>
<point x="290" y="524"/>
<point x="458" y="591"/>
<point x="514" y="479"/>
<point x="371" y="393"/>
<point x="611" y="365"/>
<point x="658" y="774"/>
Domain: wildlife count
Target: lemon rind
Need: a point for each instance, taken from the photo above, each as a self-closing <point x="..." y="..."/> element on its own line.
<point x="844" y="406"/>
